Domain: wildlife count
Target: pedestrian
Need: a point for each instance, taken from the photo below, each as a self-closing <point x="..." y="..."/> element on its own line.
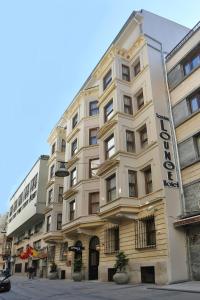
<point x="30" y="272"/>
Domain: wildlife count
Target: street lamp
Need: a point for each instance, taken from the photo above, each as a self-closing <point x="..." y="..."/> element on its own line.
<point x="62" y="171"/>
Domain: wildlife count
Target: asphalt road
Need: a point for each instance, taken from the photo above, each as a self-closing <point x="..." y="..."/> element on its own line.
<point x="44" y="289"/>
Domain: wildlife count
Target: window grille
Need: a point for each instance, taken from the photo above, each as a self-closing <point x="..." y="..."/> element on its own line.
<point x="51" y="253"/>
<point x="145" y="233"/>
<point x="111" y="239"/>
<point x="63" y="251"/>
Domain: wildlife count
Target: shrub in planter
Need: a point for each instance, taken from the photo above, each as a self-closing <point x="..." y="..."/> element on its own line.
<point x="77" y="275"/>
<point x="121" y="276"/>
<point x="53" y="273"/>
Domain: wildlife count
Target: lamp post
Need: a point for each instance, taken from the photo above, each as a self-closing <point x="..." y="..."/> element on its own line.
<point x="62" y="170"/>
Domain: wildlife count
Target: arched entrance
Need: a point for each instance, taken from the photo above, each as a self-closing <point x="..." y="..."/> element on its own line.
<point x="93" y="258"/>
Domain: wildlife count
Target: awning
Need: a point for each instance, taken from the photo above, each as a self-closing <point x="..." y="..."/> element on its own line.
<point x="187" y="221"/>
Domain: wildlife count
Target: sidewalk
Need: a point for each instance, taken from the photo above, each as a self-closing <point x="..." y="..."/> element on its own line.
<point x="188" y="286"/>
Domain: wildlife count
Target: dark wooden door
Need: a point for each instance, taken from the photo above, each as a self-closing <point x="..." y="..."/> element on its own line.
<point x="93" y="258"/>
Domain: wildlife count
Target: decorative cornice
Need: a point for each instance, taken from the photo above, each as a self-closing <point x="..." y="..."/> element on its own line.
<point x="72" y="134"/>
<point x="72" y="161"/>
<point x="56" y="132"/>
<point x="106" y="166"/>
<point x="106" y="127"/>
<point x="107" y="92"/>
<point x="71" y="192"/>
<point x="50" y="182"/>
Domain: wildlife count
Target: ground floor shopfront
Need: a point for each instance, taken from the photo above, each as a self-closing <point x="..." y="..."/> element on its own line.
<point x="144" y="240"/>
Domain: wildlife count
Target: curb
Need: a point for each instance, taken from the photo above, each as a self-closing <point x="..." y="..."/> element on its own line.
<point x="175" y="290"/>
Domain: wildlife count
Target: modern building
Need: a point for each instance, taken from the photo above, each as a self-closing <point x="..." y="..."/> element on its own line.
<point x="3" y="220"/>
<point x="122" y="190"/>
<point x="183" y="67"/>
<point x="26" y="220"/>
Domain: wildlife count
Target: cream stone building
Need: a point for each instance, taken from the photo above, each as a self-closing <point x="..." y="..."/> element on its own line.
<point x="122" y="190"/>
<point x="183" y="67"/>
<point x="25" y="224"/>
<point x="3" y="220"/>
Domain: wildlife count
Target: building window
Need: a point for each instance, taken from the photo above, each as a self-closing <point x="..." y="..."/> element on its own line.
<point x="72" y="207"/>
<point x="128" y="107"/>
<point x="93" y="203"/>
<point x="111" y="240"/>
<point x="130" y="141"/>
<point x="125" y="73"/>
<point x="132" y="181"/>
<point x="52" y="171"/>
<point x="75" y="120"/>
<point x="108" y="111"/>
<point x="48" y="223"/>
<point x="197" y="142"/>
<point x="111" y="187"/>
<point x="37" y="228"/>
<point x="140" y="99"/>
<point x="60" y="194"/>
<point x="143" y="136"/>
<point x="73" y="177"/>
<point x="63" y="251"/>
<point x="33" y="183"/>
<point x="192" y="62"/>
<point x="194" y="102"/>
<point x="93" y="167"/>
<point x="94" y="110"/>
<point x="53" y="148"/>
<point x="59" y="221"/>
<point x="145" y="233"/>
<point x="93" y="136"/>
<point x="148" y="180"/>
<point x="136" y="67"/>
<point x="63" y="145"/>
<point x="107" y="79"/>
<point x="50" y="196"/>
<point x="74" y="147"/>
<point x="26" y="191"/>
<point x="109" y="146"/>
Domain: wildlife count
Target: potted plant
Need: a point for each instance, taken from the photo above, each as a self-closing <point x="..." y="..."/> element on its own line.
<point x="77" y="275"/>
<point x="53" y="273"/>
<point x="121" y="276"/>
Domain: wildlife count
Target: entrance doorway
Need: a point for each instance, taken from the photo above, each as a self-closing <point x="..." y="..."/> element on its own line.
<point x="93" y="258"/>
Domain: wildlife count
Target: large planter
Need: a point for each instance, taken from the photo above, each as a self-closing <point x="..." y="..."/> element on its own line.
<point x="77" y="276"/>
<point x="53" y="275"/>
<point x="121" y="278"/>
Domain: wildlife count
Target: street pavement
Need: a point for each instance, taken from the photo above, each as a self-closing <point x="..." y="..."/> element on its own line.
<point x="44" y="289"/>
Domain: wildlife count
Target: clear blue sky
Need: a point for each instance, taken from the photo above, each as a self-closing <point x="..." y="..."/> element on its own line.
<point x="48" y="49"/>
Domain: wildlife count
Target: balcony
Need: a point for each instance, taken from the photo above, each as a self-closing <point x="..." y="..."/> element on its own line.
<point x="82" y="225"/>
<point x="119" y="209"/>
<point x="53" y="236"/>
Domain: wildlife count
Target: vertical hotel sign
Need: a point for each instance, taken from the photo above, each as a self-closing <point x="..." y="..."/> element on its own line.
<point x="168" y="163"/>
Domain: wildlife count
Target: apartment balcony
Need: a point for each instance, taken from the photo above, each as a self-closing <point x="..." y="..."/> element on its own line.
<point x="82" y="225"/>
<point x="119" y="209"/>
<point x="53" y="236"/>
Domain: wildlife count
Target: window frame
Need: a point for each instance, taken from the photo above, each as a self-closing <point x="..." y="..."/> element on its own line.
<point x="108" y="150"/>
<point x="130" y="144"/>
<point x="93" y="137"/>
<point x="48" y="224"/>
<point x="148" y="183"/>
<point x="72" y="209"/>
<point x="92" y="169"/>
<point x="142" y="131"/>
<point x="126" y="75"/>
<point x="90" y="203"/>
<point x="93" y="111"/>
<point x="107" y="79"/>
<point x="74" y="147"/>
<point x="73" y="179"/>
<point x="128" y="108"/>
<point x="108" y="114"/>
<point x="74" y="120"/>
<point x="109" y="189"/>
<point x="132" y="185"/>
<point x="59" y="221"/>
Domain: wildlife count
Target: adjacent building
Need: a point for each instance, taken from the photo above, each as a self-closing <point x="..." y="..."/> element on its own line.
<point x="26" y="221"/>
<point x="3" y="220"/>
<point x="115" y="140"/>
<point x="183" y="68"/>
